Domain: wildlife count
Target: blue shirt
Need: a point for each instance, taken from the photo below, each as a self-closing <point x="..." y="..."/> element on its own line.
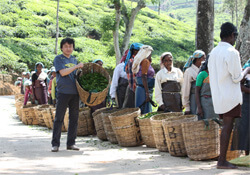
<point x="66" y="84"/>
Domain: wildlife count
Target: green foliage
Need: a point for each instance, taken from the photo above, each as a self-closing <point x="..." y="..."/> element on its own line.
<point x="93" y="82"/>
<point x="28" y="29"/>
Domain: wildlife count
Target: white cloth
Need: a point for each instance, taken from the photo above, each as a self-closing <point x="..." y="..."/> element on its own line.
<point x="42" y="76"/>
<point x="189" y="76"/>
<point x="163" y="76"/>
<point x="225" y="74"/>
<point x="143" y="53"/>
<point x="118" y="72"/>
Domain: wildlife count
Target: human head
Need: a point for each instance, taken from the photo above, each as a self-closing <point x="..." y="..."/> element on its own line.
<point x="53" y="71"/>
<point x="204" y="64"/>
<point x="198" y="57"/>
<point x="67" y="46"/>
<point x="98" y="61"/>
<point x="24" y="74"/>
<point x="166" y="60"/>
<point x="27" y="75"/>
<point x="228" y="33"/>
<point x="39" y="66"/>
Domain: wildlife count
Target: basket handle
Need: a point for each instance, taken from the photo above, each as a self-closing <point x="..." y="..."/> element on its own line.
<point x="207" y="123"/>
<point x="89" y="97"/>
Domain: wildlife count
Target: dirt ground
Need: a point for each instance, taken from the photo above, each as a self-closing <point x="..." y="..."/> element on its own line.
<point x="26" y="150"/>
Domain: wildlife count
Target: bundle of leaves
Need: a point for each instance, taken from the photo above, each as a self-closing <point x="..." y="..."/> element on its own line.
<point x="148" y="115"/>
<point x="93" y="82"/>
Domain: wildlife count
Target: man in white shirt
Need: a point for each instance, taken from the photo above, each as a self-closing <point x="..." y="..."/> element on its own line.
<point x="225" y="74"/>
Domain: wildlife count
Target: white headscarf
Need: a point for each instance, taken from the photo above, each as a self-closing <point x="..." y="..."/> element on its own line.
<point x="162" y="56"/>
<point x="143" y="53"/>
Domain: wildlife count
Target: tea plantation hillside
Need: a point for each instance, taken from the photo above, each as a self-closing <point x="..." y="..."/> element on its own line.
<point x="28" y="29"/>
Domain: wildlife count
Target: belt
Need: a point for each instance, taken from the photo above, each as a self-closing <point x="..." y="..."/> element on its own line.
<point x="170" y="92"/>
<point x="207" y="96"/>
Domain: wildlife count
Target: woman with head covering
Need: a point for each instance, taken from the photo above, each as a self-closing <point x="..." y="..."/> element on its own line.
<point x="129" y="101"/>
<point x="205" y="108"/>
<point x="144" y="78"/>
<point x="119" y="82"/>
<point x="39" y="84"/>
<point x="191" y="68"/>
<point x="98" y="61"/>
<point x="168" y="83"/>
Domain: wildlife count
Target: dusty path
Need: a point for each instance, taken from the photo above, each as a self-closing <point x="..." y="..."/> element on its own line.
<point x="26" y="150"/>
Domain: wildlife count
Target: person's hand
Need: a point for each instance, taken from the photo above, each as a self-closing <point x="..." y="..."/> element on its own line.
<point x="162" y="107"/>
<point x="147" y="97"/>
<point x="187" y="113"/>
<point x="80" y="65"/>
<point x="200" y="112"/>
<point x="54" y="102"/>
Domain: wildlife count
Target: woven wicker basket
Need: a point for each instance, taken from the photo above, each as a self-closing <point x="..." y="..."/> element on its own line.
<point x="107" y="125"/>
<point x="39" y="115"/>
<point x="146" y="132"/>
<point x="85" y="123"/>
<point x="173" y="134"/>
<point x="95" y="98"/>
<point x="231" y="154"/>
<point x="201" y="143"/>
<point x="28" y="115"/>
<point x="126" y="126"/>
<point x="97" y="116"/>
<point x="158" y="132"/>
<point x="19" y="105"/>
<point x="47" y="117"/>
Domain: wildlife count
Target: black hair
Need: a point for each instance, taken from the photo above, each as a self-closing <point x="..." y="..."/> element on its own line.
<point x="227" y="29"/>
<point x="204" y="65"/>
<point x="69" y="41"/>
<point x="166" y="56"/>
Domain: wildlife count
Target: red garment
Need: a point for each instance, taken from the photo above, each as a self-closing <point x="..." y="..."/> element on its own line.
<point x="28" y="90"/>
<point x="124" y="56"/>
<point x="50" y="84"/>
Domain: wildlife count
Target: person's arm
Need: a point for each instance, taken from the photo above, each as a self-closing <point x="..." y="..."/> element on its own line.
<point x="158" y="91"/>
<point x="50" y="85"/>
<point x="234" y="67"/>
<point x="67" y="71"/>
<point x="115" y="79"/>
<point x="186" y="91"/>
<point x="244" y="88"/>
<point x="144" y="68"/>
<point x="199" y="81"/>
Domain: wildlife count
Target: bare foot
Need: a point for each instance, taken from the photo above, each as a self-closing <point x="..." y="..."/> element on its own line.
<point x="226" y="165"/>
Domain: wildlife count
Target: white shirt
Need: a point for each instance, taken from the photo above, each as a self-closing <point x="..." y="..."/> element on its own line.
<point x="225" y="74"/>
<point x="163" y="76"/>
<point x="118" y="72"/>
<point x="189" y="76"/>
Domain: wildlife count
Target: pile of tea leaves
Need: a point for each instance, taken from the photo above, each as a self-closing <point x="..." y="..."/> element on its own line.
<point x="93" y="82"/>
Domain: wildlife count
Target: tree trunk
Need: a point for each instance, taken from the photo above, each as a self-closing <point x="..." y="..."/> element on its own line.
<point x="116" y="33"/>
<point x="129" y="24"/>
<point x="159" y="8"/>
<point x="236" y="13"/>
<point x="243" y="41"/>
<point x="205" y="25"/>
<point x="57" y="25"/>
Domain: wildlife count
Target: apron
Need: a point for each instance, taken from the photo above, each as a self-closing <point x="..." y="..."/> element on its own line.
<point x="206" y="101"/>
<point x="140" y="94"/>
<point x="193" y="106"/>
<point x="129" y="101"/>
<point x="121" y="91"/>
<point x="41" y="92"/>
<point x="241" y="137"/>
<point x="171" y="96"/>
